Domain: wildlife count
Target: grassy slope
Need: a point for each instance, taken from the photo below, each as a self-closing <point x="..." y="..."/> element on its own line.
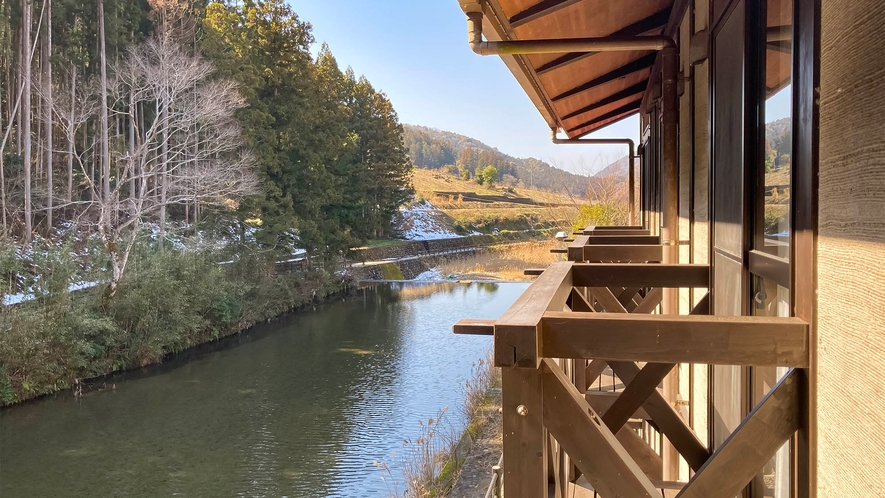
<point x="503" y="215"/>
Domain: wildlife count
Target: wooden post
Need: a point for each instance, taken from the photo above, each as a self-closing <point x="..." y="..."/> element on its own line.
<point x="525" y="441"/>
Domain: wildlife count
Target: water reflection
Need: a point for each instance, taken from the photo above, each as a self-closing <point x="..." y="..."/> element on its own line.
<point x="298" y="408"/>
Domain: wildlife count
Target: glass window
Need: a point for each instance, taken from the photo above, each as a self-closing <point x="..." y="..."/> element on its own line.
<point x="771" y="299"/>
<point x="773" y="223"/>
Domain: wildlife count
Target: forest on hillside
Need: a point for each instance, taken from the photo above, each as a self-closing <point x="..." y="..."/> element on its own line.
<point x="118" y="113"/>
<point x="430" y="148"/>
<point x="161" y="161"/>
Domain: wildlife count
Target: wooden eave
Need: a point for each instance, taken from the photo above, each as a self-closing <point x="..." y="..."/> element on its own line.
<point x="580" y="93"/>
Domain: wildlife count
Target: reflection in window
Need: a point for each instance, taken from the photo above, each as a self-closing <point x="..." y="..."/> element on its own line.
<point x="778" y="129"/>
<point x="770" y="299"/>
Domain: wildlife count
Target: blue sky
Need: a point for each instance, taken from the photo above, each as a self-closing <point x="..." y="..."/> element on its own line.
<point x="416" y="51"/>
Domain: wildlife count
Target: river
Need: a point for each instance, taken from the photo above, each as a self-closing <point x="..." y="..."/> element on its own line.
<point x="301" y="407"/>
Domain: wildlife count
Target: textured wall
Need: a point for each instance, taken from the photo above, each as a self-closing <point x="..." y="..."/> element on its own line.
<point x="700" y="231"/>
<point x="851" y="259"/>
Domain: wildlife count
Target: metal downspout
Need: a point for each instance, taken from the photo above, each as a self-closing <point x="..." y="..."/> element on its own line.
<point x="670" y="231"/>
<point x="631" y="155"/>
<point x="670" y="173"/>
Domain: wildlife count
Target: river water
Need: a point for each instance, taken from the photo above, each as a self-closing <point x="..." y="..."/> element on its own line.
<point x="301" y="407"/>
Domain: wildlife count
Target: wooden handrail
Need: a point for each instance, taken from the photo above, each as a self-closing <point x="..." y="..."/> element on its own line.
<point x="619" y="239"/>
<point x="617" y="253"/>
<point x="718" y="340"/>
<point x="517" y="331"/>
<point x="640" y="275"/>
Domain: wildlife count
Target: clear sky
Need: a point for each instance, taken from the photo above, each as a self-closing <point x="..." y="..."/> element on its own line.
<point x="416" y="51"/>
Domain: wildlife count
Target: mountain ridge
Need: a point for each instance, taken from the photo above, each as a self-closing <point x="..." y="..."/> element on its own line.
<point x="431" y="148"/>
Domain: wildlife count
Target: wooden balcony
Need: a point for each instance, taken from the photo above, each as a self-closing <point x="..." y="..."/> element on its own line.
<point x="599" y="313"/>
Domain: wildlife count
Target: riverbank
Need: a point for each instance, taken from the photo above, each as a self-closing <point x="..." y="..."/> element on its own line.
<point x="169" y="303"/>
<point x="503" y="262"/>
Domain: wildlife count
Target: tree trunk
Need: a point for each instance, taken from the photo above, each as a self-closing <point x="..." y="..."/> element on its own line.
<point x="26" y="116"/>
<point x="72" y="132"/>
<point x="164" y="156"/>
<point x="132" y="162"/>
<point x="47" y="111"/>
<point x="105" y="153"/>
<point x="22" y="57"/>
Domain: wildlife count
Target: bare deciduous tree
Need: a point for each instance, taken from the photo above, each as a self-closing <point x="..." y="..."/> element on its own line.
<point x="191" y="150"/>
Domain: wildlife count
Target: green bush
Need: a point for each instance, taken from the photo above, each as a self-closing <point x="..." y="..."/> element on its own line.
<point x="166" y="303"/>
<point x="601" y="214"/>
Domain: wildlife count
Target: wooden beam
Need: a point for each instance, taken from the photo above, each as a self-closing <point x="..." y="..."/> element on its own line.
<point x="608" y="301"/>
<point x="718" y="340"/>
<point x="594" y="370"/>
<point x="703" y="306"/>
<point x="650" y="23"/>
<point x="637" y="391"/>
<point x="591" y="446"/>
<point x="601" y="401"/>
<point x="627" y="296"/>
<point x="576" y="248"/>
<point x="525" y="441"/>
<point x="650" y="302"/>
<point x="650" y="462"/>
<point x="624" y="254"/>
<point x="517" y="330"/>
<point x="579" y="303"/>
<point x="533" y="272"/>
<point x="752" y="444"/>
<point x="639" y="64"/>
<point x="616" y="240"/>
<point x="604" y="228"/>
<point x="639" y="275"/>
<point x="632" y="91"/>
<point x="474" y="326"/>
<point x="625" y="231"/>
<point x="667" y="420"/>
<point x="620" y="111"/>
<point x="537" y="11"/>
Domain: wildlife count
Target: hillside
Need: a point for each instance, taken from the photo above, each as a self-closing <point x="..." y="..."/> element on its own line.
<point x="447" y="205"/>
<point x="434" y="149"/>
<point x="619" y="169"/>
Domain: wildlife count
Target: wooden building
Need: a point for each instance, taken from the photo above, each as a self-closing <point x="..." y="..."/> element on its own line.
<point x="731" y="341"/>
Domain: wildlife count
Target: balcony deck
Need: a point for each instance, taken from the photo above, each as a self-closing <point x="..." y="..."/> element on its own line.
<point x="583" y="354"/>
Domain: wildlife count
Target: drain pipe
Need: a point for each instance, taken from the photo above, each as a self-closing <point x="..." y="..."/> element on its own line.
<point x="557" y="46"/>
<point x="631" y="156"/>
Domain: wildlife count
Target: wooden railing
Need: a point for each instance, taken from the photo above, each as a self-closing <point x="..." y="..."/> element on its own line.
<point x="580" y="319"/>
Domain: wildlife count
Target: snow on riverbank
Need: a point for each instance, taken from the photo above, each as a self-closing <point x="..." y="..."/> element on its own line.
<point x="431" y="275"/>
<point x="422" y="221"/>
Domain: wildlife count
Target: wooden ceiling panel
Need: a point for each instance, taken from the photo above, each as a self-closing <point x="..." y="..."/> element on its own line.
<point x="578" y="73"/>
<point x="513" y="7"/>
<point x="602" y="124"/>
<point x="572" y="124"/>
<point x="584" y="99"/>
<point x="586" y="92"/>
<point x="586" y="19"/>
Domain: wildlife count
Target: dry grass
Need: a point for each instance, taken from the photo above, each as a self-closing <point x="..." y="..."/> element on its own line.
<point x="503" y="262"/>
<point x="432" y="460"/>
<point x="427" y="181"/>
<point x="469" y="216"/>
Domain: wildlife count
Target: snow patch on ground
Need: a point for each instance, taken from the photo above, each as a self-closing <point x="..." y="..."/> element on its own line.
<point x="421" y="221"/>
<point x="431" y="275"/>
<point x="22" y="297"/>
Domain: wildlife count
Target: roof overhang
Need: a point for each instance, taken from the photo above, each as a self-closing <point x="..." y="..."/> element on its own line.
<point x="580" y="93"/>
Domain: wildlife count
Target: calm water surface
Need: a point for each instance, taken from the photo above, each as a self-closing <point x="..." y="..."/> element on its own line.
<point x="297" y="408"/>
